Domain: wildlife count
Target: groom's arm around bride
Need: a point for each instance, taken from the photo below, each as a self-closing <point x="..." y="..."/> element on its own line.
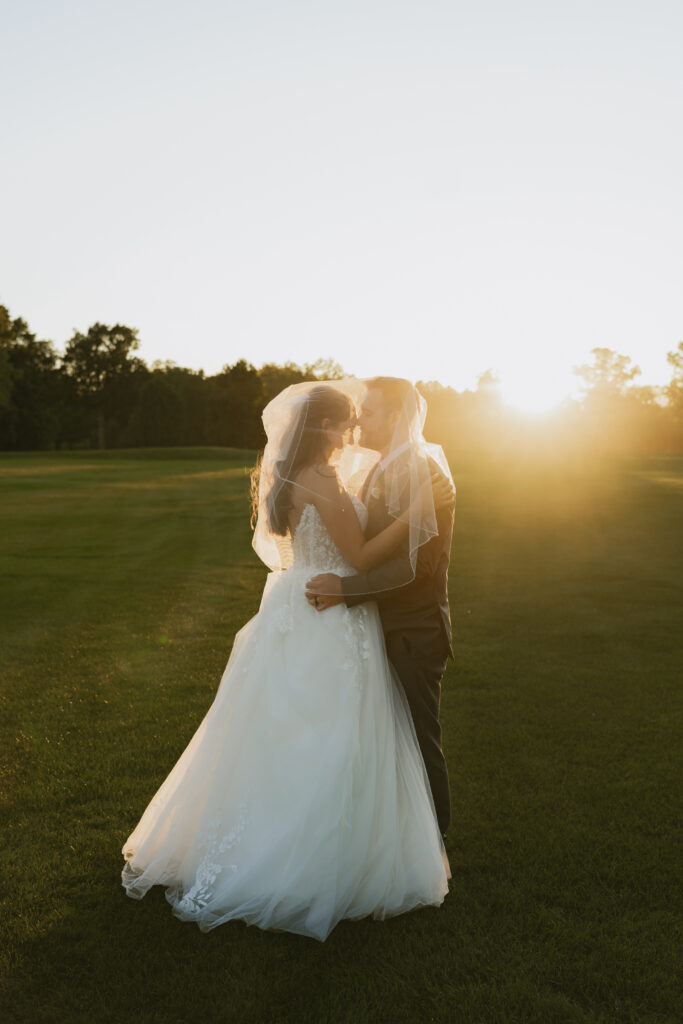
<point x="405" y="600"/>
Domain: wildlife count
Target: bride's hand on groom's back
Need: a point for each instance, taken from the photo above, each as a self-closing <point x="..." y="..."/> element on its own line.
<point x="443" y="491"/>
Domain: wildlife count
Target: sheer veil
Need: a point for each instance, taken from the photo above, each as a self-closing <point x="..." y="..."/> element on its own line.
<point x="292" y="422"/>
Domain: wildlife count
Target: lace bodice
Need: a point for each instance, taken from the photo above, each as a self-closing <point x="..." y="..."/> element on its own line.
<point x="312" y="546"/>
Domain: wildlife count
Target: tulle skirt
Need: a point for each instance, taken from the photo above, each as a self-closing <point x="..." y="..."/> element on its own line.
<point x="302" y="797"/>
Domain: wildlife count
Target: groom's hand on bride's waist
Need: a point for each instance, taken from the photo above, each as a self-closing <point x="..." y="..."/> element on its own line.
<point x="324" y="591"/>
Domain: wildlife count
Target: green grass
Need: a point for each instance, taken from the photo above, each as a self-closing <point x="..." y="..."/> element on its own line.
<point x="124" y="578"/>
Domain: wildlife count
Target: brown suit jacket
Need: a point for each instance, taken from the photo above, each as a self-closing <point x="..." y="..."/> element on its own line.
<point x="423" y="602"/>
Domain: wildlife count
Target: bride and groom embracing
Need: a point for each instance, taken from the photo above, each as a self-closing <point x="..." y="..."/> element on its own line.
<point x="315" y="788"/>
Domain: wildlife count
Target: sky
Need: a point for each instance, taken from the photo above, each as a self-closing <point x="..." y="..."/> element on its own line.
<point x="425" y="189"/>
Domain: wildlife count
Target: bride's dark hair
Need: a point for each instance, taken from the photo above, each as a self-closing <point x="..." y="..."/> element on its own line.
<point x="322" y="402"/>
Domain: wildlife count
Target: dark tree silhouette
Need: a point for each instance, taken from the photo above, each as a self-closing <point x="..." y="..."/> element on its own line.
<point x="236" y="401"/>
<point x="8" y="334"/>
<point x="157" y="418"/>
<point x="102" y="365"/>
<point x="30" y="387"/>
<point x="101" y="393"/>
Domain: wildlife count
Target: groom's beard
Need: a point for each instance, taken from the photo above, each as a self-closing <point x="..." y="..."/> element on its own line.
<point x="365" y="442"/>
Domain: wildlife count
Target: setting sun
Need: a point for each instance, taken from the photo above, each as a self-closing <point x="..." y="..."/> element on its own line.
<point x="534" y="395"/>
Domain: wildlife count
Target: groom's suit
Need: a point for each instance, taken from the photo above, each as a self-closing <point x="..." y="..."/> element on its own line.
<point x="417" y="627"/>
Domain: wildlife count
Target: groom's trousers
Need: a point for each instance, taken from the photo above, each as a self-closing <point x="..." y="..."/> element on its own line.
<point x="419" y="659"/>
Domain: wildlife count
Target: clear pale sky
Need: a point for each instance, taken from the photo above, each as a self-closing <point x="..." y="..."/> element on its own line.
<point x="424" y="189"/>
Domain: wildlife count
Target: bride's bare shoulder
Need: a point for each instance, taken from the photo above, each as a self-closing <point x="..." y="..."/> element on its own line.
<point x="320" y="480"/>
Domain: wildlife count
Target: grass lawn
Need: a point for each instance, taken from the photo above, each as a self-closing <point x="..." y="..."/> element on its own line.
<point x="124" y="578"/>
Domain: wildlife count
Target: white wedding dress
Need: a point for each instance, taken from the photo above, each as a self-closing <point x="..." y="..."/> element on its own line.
<point x="302" y="797"/>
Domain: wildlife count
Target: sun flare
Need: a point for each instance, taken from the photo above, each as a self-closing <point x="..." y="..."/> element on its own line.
<point x="533" y="396"/>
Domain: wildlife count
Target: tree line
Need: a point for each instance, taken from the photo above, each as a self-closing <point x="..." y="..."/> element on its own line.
<point x="98" y="393"/>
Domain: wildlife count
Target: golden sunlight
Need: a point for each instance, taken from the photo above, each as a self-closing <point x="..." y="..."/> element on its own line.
<point x="533" y="394"/>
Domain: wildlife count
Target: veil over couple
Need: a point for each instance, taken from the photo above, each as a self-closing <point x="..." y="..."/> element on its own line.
<point x="315" y="788"/>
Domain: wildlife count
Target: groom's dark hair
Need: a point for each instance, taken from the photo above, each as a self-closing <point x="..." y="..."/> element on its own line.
<point x="396" y="391"/>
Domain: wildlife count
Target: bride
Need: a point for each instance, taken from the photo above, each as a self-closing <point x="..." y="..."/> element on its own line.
<point x="302" y="797"/>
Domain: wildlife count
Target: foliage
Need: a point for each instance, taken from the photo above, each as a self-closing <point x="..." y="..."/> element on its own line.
<point x="101" y="364"/>
<point x="99" y="393"/>
<point x="674" y="392"/>
<point x="609" y="373"/>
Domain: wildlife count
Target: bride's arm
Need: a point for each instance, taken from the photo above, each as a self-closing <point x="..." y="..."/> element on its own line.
<point x="339" y="516"/>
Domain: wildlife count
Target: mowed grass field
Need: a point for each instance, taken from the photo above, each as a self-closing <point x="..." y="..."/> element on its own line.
<point x="124" y="578"/>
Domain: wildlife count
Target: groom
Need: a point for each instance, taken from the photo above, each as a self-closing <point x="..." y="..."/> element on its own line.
<point x="415" y="616"/>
